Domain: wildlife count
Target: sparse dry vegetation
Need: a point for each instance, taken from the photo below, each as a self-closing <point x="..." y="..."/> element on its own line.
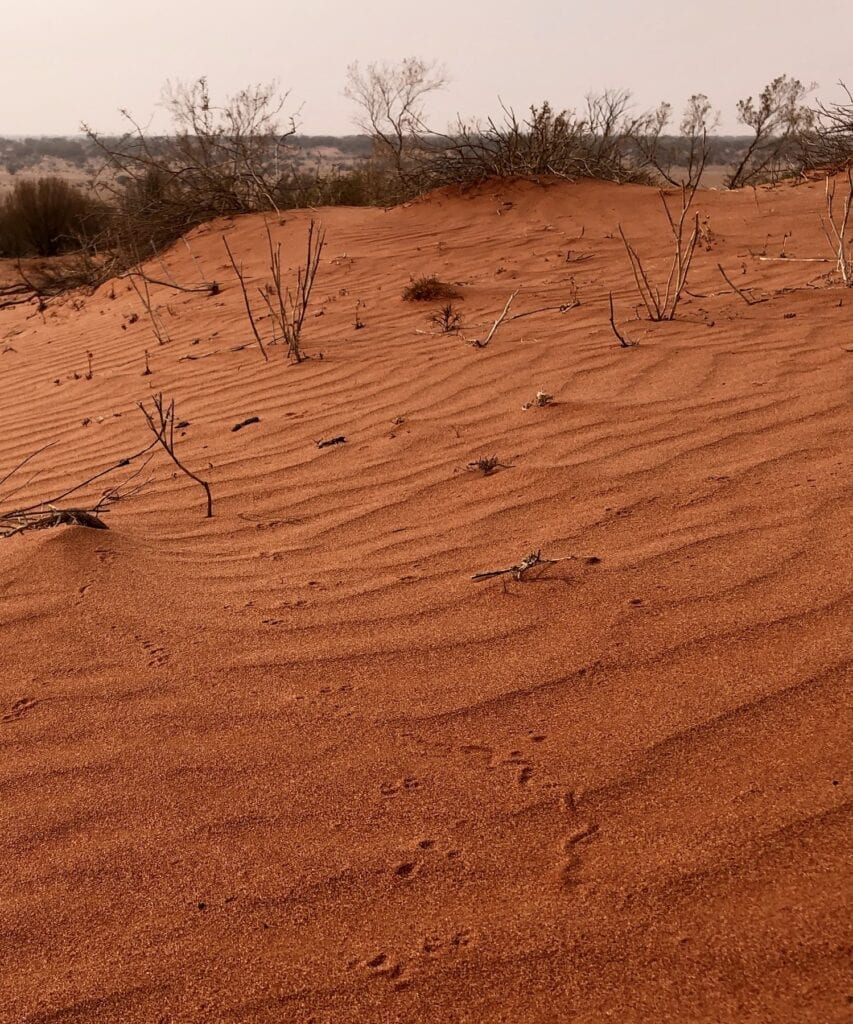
<point x="447" y="320"/>
<point x="287" y="309"/>
<point x="663" y="305"/>
<point x="243" y="154"/>
<point x="47" y="217"/>
<point x="429" y="289"/>
<point x="835" y="229"/>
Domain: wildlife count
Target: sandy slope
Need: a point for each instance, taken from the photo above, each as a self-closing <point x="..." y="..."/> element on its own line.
<point x="291" y="764"/>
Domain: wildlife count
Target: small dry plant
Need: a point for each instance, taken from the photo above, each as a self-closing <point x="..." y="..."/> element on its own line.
<point x="487" y="464"/>
<point x="447" y="320"/>
<point x="835" y="229"/>
<point x="542" y="398"/>
<point x="662" y="306"/>
<point x="287" y="309"/>
<point x="429" y="289"/>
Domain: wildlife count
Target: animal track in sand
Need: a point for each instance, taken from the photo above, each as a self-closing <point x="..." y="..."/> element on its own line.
<point x="158" y="656"/>
<point x="382" y="966"/>
<point x="572" y="843"/>
<point x="515" y="758"/>
<point x="397" y="971"/>
<point x="398" y="786"/>
<point x="19" y="708"/>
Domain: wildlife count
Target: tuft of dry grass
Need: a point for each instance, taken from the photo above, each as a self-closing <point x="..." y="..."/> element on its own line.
<point x="428" y="289"/>
<point x="487" y="464"/>
<point x="447" y="319"/>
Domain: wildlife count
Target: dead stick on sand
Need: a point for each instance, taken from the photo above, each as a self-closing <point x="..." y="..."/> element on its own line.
<point x="239" y="272"/>
<point x="496" y="324"/>
<point x="620" y="337"/>
<point x="563" y="307"/>
<point x="525" y="565"/>
<point x="794" y="259"/>
<point x="739" y="291"/>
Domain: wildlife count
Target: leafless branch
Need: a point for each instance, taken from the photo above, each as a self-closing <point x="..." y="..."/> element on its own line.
<point x="161" y="423"/>
<point x="748" y="299"/>
<point x="518" y="572"/>
<point x="623" y="341"/>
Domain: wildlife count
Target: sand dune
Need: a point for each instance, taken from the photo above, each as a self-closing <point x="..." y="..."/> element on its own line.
<point x="292" y="764"/>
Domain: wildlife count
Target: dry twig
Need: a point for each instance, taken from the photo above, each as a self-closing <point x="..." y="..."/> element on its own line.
<point x="496" y="324"/>
<point x="161" y="423"/>
<point x="623" y="341"/>
<point x="748" y="299"/>
<point x="160" y="332"/>
<point x="531" y="561"/>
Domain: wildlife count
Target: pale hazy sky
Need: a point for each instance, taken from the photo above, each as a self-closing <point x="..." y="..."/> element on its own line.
<point x="65" y="61"/>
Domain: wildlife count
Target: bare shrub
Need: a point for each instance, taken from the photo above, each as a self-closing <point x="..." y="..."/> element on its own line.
<point x="663" y="305"/>
<point x="593" y="144"/>
<point x="287" y="309"/>
<point x="220" y="160"/>
<point x="390" y="99"/>
<point x="688" y="151"/>
<point x="835" y="229"/>
<point x="830" y="144"/>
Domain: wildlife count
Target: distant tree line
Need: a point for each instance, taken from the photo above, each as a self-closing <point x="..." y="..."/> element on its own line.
<point x="245" y="154"/>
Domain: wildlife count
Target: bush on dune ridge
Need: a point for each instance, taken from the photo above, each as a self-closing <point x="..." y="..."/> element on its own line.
<point x="231" y="158"/>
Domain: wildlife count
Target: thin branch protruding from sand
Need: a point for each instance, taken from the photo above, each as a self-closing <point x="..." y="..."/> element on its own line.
<point x="211" y="287"/>
<point x="748" y="299"/>
<point x="161" y="423"/>
<point x="624" y="342"/>
<point x="239" y="272"/>
<point x="160" y="332"/>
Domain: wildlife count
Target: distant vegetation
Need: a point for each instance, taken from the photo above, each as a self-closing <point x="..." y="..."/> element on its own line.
<point x="246" y="155"/>
<point x="49" y="216"/>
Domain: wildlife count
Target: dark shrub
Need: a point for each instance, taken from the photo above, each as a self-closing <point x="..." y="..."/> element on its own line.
<point x="426" y="289"/>
<point x="47" y="217"/>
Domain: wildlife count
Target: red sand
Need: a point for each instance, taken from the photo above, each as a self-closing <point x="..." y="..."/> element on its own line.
<point x="292" y="764"/>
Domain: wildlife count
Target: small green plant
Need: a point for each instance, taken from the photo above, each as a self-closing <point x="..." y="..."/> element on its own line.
<point x="429" y="289"/>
